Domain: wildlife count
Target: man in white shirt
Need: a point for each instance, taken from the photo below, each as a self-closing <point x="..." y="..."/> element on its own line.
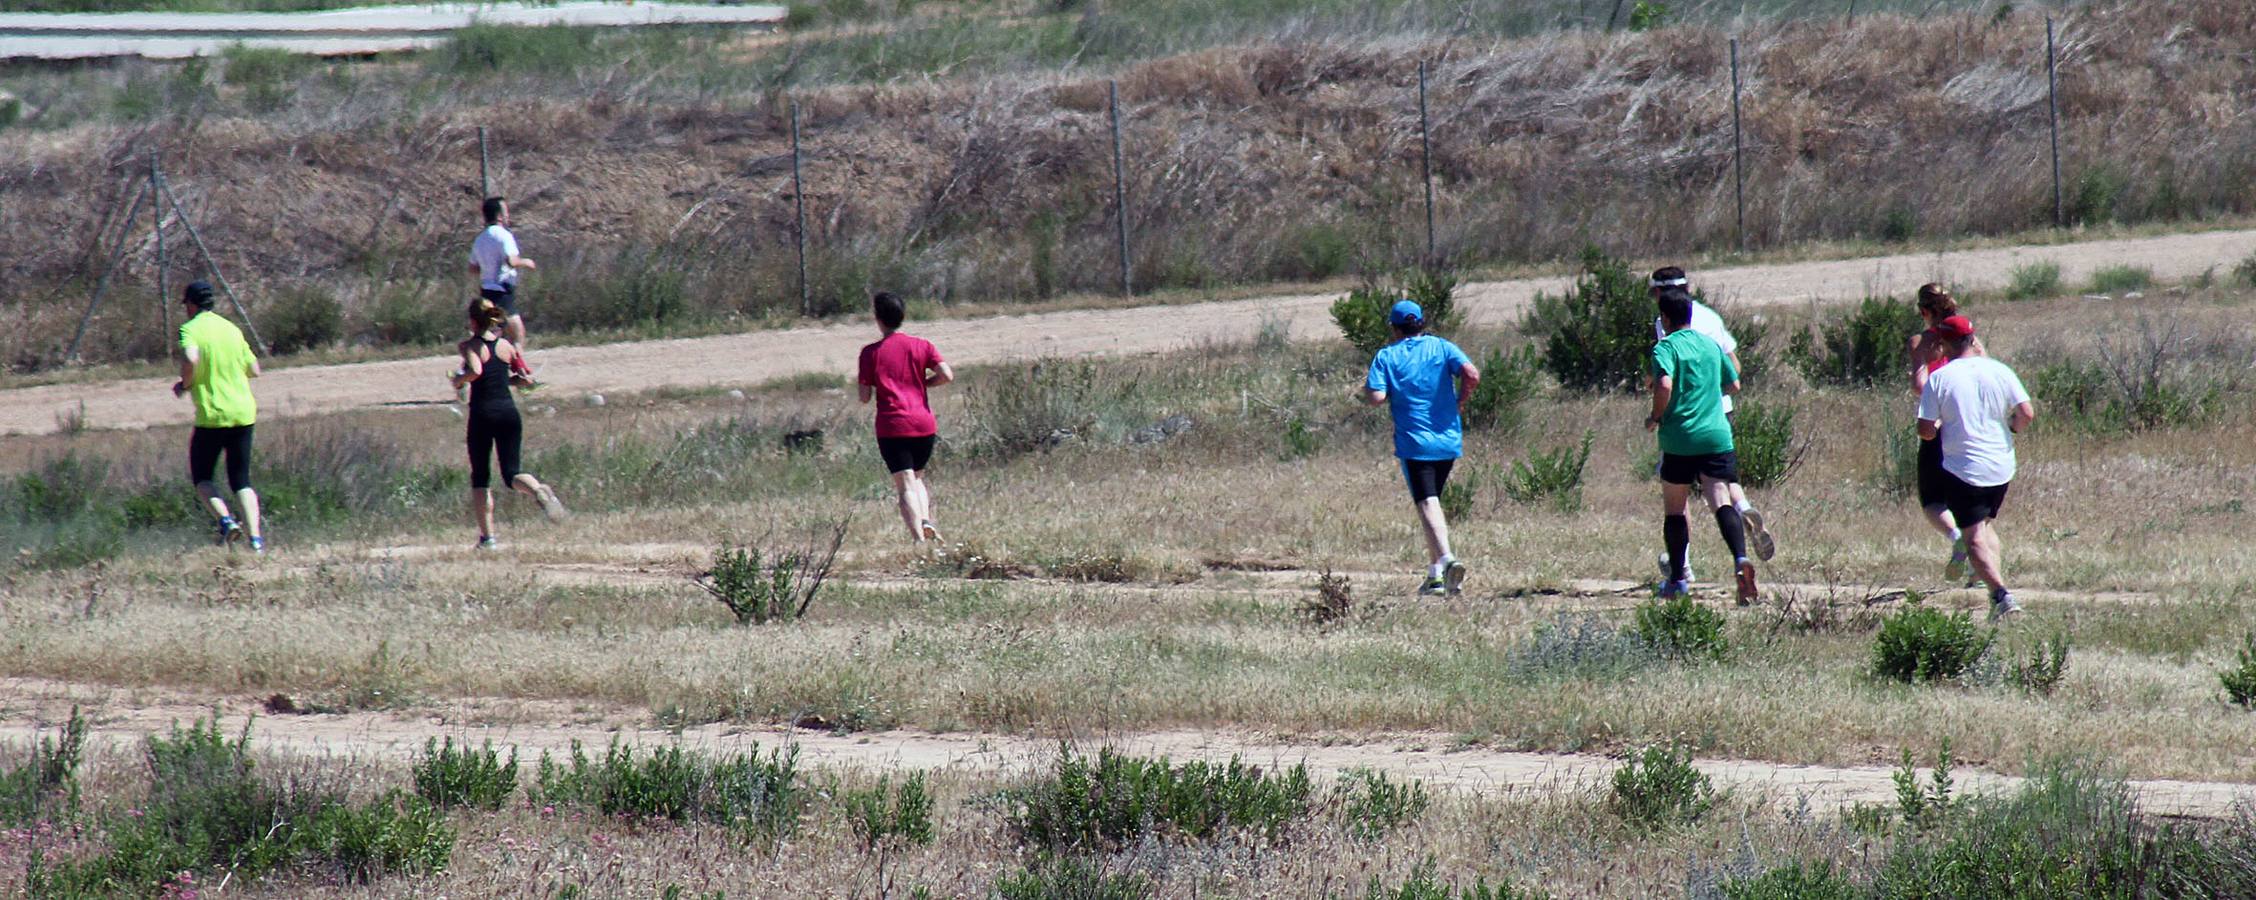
<point x="1974" y="406"/>
<point x="1706" y="321"/>
<point x="494" y="259"/>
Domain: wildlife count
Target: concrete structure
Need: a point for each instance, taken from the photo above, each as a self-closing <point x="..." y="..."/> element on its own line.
<point x="367" y="30"/>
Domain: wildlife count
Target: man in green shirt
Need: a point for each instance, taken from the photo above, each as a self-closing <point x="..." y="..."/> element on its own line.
<point x="1691" y="375"/>
<point x="216" y="368"/>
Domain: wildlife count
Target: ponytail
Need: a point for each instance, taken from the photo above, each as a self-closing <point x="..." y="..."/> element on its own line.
<point x="1936" y="301"/>
<point x="487" y="316"/>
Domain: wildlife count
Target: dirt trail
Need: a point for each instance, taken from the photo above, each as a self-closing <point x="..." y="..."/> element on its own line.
<point x="744" y="359"/>
<point x="122" y="717"/>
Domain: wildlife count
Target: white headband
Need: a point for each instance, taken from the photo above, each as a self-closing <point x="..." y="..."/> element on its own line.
<point x="1673" y="282"/>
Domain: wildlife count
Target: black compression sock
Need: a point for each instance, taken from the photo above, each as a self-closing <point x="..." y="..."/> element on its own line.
<point x="1734" y="531"/>
<point x="1676" y="534"/>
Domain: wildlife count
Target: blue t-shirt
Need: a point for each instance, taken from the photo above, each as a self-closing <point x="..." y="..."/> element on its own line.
<point x="1418" y="375"/>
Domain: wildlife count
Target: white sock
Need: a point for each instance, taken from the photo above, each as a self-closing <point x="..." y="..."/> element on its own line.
<point x="1957" y="535"/>
<point x="1435" y="570"/>
<point x="1745" y="507"/>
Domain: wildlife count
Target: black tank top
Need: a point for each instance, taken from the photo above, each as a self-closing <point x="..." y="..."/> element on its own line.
<point x="489" y="393"/>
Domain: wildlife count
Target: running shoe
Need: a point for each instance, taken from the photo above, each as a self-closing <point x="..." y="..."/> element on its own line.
<point x="550" y="505"/>
<point x="1746" y="573"/>
<point x="1957" y="569"/>
<point x="1667" y="575"/>
<point x="930" y="531"/>
<point x="258" y="545"/>
<point x="1765" y="546"/>
<point x="1672" y="588"/>
<point x="229" y="532"/>
<point x="487" y="542"/>
<point x="1453" y="576"/>
<point x="1435" y="587"/>
<point x="2002" y="605"/>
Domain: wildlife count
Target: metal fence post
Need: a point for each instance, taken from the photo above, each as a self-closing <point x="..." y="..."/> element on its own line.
<point x="164" y="308"/>
<point x="1738" y="150"/>
<point x="164" y="194"/>
<point x="799" y="215"/>
<point x="485" y="181"/>
<point x="2052" y="103"/>
<point x="1425" y="159"/>
<point x="1119" y="188"/>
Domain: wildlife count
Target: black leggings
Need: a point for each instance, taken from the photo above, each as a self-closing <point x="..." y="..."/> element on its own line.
<point x="495" y="434"/>
<point x="204" y="447"/>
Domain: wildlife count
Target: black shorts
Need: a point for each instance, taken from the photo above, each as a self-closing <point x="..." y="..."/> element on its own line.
<point x="1969" y="504"/>
<point x="907" y="454"/>
<point x="506" y="298"/>
<point x="1722" y="467"/>
<point x="492" y="434"/>
<point x="204" y="447"/>
<point x="1934" y="483"/>
<point x="1426" y="477"/>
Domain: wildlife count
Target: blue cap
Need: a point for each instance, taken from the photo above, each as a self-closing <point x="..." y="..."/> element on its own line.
<point x="1406" y="312"/>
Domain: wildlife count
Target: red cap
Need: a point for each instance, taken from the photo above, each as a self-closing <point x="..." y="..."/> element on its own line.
<point x="1957" y="328"/>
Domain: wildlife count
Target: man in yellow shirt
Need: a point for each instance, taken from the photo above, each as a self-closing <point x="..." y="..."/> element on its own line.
<point x="216" y="368"/>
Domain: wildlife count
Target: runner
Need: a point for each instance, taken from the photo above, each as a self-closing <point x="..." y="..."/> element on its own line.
<point x="1971" y="409"/>
<point x="494" y="426"/>
<point x="1925" y="350"/>
<point x="494" y="259"/>
<point x="897" y="372"/>
<point x="1691" y="375"/>
<point x="1705" y="320"/>
<point x="216" y="368"/>
<point x="1413" y="377"/>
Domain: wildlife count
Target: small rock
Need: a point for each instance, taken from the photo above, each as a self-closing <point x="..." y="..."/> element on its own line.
<point x="595" y="400"/>
<point x="2135" y="295"/>
<point x="735" y="394"/>
<point x="2103" y="298"/>
<point x="282" y="705"/>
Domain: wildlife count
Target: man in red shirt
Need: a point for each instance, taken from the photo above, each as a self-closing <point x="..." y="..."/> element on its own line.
<point x="896" y="372"/>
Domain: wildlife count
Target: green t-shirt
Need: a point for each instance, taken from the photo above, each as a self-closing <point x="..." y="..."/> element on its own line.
<point x="222" y="386"/>
<point x="1698" y="370"/>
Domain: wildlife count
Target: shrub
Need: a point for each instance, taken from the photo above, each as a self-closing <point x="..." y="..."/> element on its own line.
<point x="2245" y="270"/>
<point x="1110" y="801"/>
<point x="1299" y="441"/>
<point x="1373" y="806"/>
<point x="2040" y="672"/>
<point x="2121" y="279"/>
<point x="2159" y="377"/>
<point x="1794" y="881"/>
<point x="2035" y="281"/>
<point x="1362" y="314"/>
<point x="1681" y="628"/>
<point x="1580" y="646"/>
<point x="1898" y="472"/>
<point x="474" y="778"/>
<point x="407" y="314"/>
<point x="267" y="75"/>
<point x="506" y="48"/>
<point x="300" y="318"/>
<point x="756" y="797"/>
<point x="1458" y="495"/>
<point x="1071" y="878"/>
<point x="1658" y="787"/>
<point x="2240" y="680"/>
<point x="1334" y="601"/>
<point x="761" y="586"/>
<point x="1508" y="381"/>
<point x="1553" y="476"/>
<point x="1019" y="409"/>
<point x="1860" y="349"/>
<point x="1423" y="885"/>
<point x="1921" y="643"/>
<point x="46" y="785"/>
<point x="882" y="814"/>
<point x="1597" y="334"/>
<point x="1930" y="804"/>
<point x="1764" y="436"/>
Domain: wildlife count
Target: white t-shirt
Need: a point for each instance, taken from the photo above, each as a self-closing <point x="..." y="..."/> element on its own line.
<point x="1971" y="401"/>
<point x="1707" y="322"/>
<point x="491" y="251"/>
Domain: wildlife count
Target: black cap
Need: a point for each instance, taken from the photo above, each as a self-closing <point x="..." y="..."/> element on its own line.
<point x="198" y="294"/>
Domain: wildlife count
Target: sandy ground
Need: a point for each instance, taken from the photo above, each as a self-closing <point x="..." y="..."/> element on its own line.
<point x="748" y="359"/>
<point x="121" y="717"/>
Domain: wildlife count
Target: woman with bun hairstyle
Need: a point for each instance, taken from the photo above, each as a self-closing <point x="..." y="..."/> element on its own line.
<point x="495" y="429"/>
<point x="1927" y="351"/>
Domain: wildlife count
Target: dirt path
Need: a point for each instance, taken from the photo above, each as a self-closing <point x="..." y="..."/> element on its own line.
<point x="746" y="359"/>
<point x="122" y="717"/>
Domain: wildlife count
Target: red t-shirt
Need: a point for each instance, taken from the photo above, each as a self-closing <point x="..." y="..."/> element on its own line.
<point x="895" y="367"/>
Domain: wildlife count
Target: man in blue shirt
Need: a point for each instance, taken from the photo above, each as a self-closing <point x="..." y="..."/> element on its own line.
<point x="1416" y="377"/>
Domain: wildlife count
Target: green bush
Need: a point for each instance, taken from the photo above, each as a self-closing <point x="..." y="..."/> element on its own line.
<point x="267" y="75"/>
<point x="1580" y="646"/>
<point x="2034" y="281"/>
<point x="2121" y="279"/>
<point x="1374" y="806"/>
<point x="2244" y="271"/>
<point x="773" y="584"/>
<point x="1764" y="437"/>
<point x="1897" y="474"/>
<point x="2240" y="680"/>
<point x="1071" y="878"/>
<point x="1508" y="381"/>
<point x="882" y="814"/>
<point x="1681" y="628"/>
<point x="753" y="796"/>
<point x="1658" y="787"/>
<point x="2042" y="669"/>
<point x="46" y="785"/>
<point x="1362" y="314"/>
<point x="1110" y="801"/>
<point x="1044" y="404"/>
<point x="1299" y="441"/>
<point x="1921" y="643"/>
<point x="1931" y="804"/>
<point x="1860" y="349"/>
<point x="1458" y="495"/>
<point x="1599" y="332"/>
<point x="1551" y="476"/>
<point x="547" y="49"/>
<point x="478" y="779"/>
<point x="300" y="318"/>
<point x="409" y="315"/>
<point x="1423" y="885"/>
<point x="1795" y="881"/>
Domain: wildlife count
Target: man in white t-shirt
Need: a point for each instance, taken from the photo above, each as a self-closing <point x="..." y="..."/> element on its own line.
<point x="1706" y="321"/>
<point x="494" y="259"/>
<point x="1974" y="406"/>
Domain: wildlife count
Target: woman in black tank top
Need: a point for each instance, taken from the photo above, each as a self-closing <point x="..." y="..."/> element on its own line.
<point x="495" y="429"/>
